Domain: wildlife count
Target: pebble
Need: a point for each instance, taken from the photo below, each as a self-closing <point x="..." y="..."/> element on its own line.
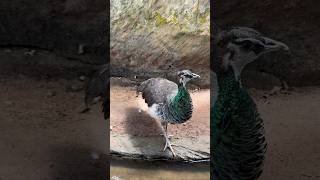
<point x="8" y="51"/>
<point x="115" y="178"/>
<point x="94" y="155"/>
<point x="51" y="94"/>
<point x="81" y="49"/>
<point x="74" y="85"/>
<point x="8" y="103"/>
<point x="30" y="53"/>
<point x="82" y="78"/>
<point x="275" y="90"/>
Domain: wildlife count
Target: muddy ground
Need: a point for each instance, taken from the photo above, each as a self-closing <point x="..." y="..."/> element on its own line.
<point x="43" y="135"/>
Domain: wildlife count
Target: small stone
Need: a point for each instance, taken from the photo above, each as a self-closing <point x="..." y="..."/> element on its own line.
<point x="30" y="53"/>
<point x="94" y="155"/>
<point x="74" y="85"/>
<point x="275" y="91"/>
<point x="8" y="103"/>
<point x="51" y="94"/>
<point x="8" y="51"/>
<point x="82" y="78"/>
<point x="115" y="178"/>
<point x="81" y="49"/>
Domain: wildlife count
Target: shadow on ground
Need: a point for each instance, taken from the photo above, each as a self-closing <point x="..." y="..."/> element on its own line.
<point x="140" y="123"/>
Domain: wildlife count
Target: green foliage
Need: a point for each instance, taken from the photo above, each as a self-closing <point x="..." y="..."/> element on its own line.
<point x="159" y="20"/>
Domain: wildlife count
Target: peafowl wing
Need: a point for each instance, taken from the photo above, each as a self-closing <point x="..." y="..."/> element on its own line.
<point x="157" y="90"/>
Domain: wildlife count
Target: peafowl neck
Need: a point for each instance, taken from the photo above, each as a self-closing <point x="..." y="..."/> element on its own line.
<point x="180" y="107"/>
<point x="227" y="82"/>
<point x="182" y="97"/>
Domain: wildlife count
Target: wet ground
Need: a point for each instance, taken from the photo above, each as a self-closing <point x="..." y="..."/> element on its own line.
<point x="137" y="170"/>
<point x="43" y="135"/>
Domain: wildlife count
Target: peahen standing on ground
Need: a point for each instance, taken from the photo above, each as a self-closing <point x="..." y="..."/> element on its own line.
<point x="99" y="87"/>
<point x="167" y="101"/>
<point x="238" y="144"/>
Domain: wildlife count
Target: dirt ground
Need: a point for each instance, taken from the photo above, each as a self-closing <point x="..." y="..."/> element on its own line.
<point x="292" y="123"/>
<point x="43" y="135"/>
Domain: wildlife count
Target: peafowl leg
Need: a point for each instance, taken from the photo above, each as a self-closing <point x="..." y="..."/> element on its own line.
<point x="166" y="130"/>
<point x="165" y="134"/>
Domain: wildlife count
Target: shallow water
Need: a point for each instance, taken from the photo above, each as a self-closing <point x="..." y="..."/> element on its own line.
<point x="137" y="170"/>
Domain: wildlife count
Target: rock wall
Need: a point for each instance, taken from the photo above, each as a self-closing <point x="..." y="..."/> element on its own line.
<point x="163" y="36"/>
<point x="76" y="29"/>
<point x="160" y="36"/>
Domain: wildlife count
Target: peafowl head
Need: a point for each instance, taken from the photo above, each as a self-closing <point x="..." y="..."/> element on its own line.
<point x="240" y="46"/>
<point x="185" y="76"/>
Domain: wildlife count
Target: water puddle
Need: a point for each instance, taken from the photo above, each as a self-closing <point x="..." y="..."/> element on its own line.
<point x="137" y="170"/>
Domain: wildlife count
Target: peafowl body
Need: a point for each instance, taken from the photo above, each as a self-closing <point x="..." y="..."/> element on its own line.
<point x="167" y="101"/>
<point x="238" y="144"/>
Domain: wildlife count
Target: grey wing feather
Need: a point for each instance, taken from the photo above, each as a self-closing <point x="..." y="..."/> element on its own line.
<point x="157" y="90"/>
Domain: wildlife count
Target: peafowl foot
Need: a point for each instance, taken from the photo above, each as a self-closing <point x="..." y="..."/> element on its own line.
<point x="168" y="145"/>
<point x="167" y="138"/>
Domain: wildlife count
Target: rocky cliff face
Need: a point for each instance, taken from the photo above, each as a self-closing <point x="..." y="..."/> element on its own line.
<point x="168" y="35"/>
<point x="72" y="28"/>
<point x="160" y="36"/>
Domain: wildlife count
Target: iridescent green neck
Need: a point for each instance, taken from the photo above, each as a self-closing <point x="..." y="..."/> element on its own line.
<point x="181" y="105"/>
<point x="181" y="97"/>
<point x="227" y="81"/>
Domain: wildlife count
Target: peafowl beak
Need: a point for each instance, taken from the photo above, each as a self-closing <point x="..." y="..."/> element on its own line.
<point x="194" y="75"/>
<point x="273" y="45"/>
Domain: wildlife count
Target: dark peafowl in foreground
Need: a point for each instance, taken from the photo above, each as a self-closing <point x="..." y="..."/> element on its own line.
<point x="98" y="87"/>
<point x="167" y="101"/>
<point x="238" y="144"/>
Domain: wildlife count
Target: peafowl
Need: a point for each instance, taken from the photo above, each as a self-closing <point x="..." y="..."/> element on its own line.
<point x="238" y="144"/>
<point x="167" y="101"/>
<point x="98" y="87"/>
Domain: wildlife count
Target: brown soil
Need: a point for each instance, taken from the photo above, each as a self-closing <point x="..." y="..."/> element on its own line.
<point x="43" y="135"/>
<point x="292" y="123"/>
